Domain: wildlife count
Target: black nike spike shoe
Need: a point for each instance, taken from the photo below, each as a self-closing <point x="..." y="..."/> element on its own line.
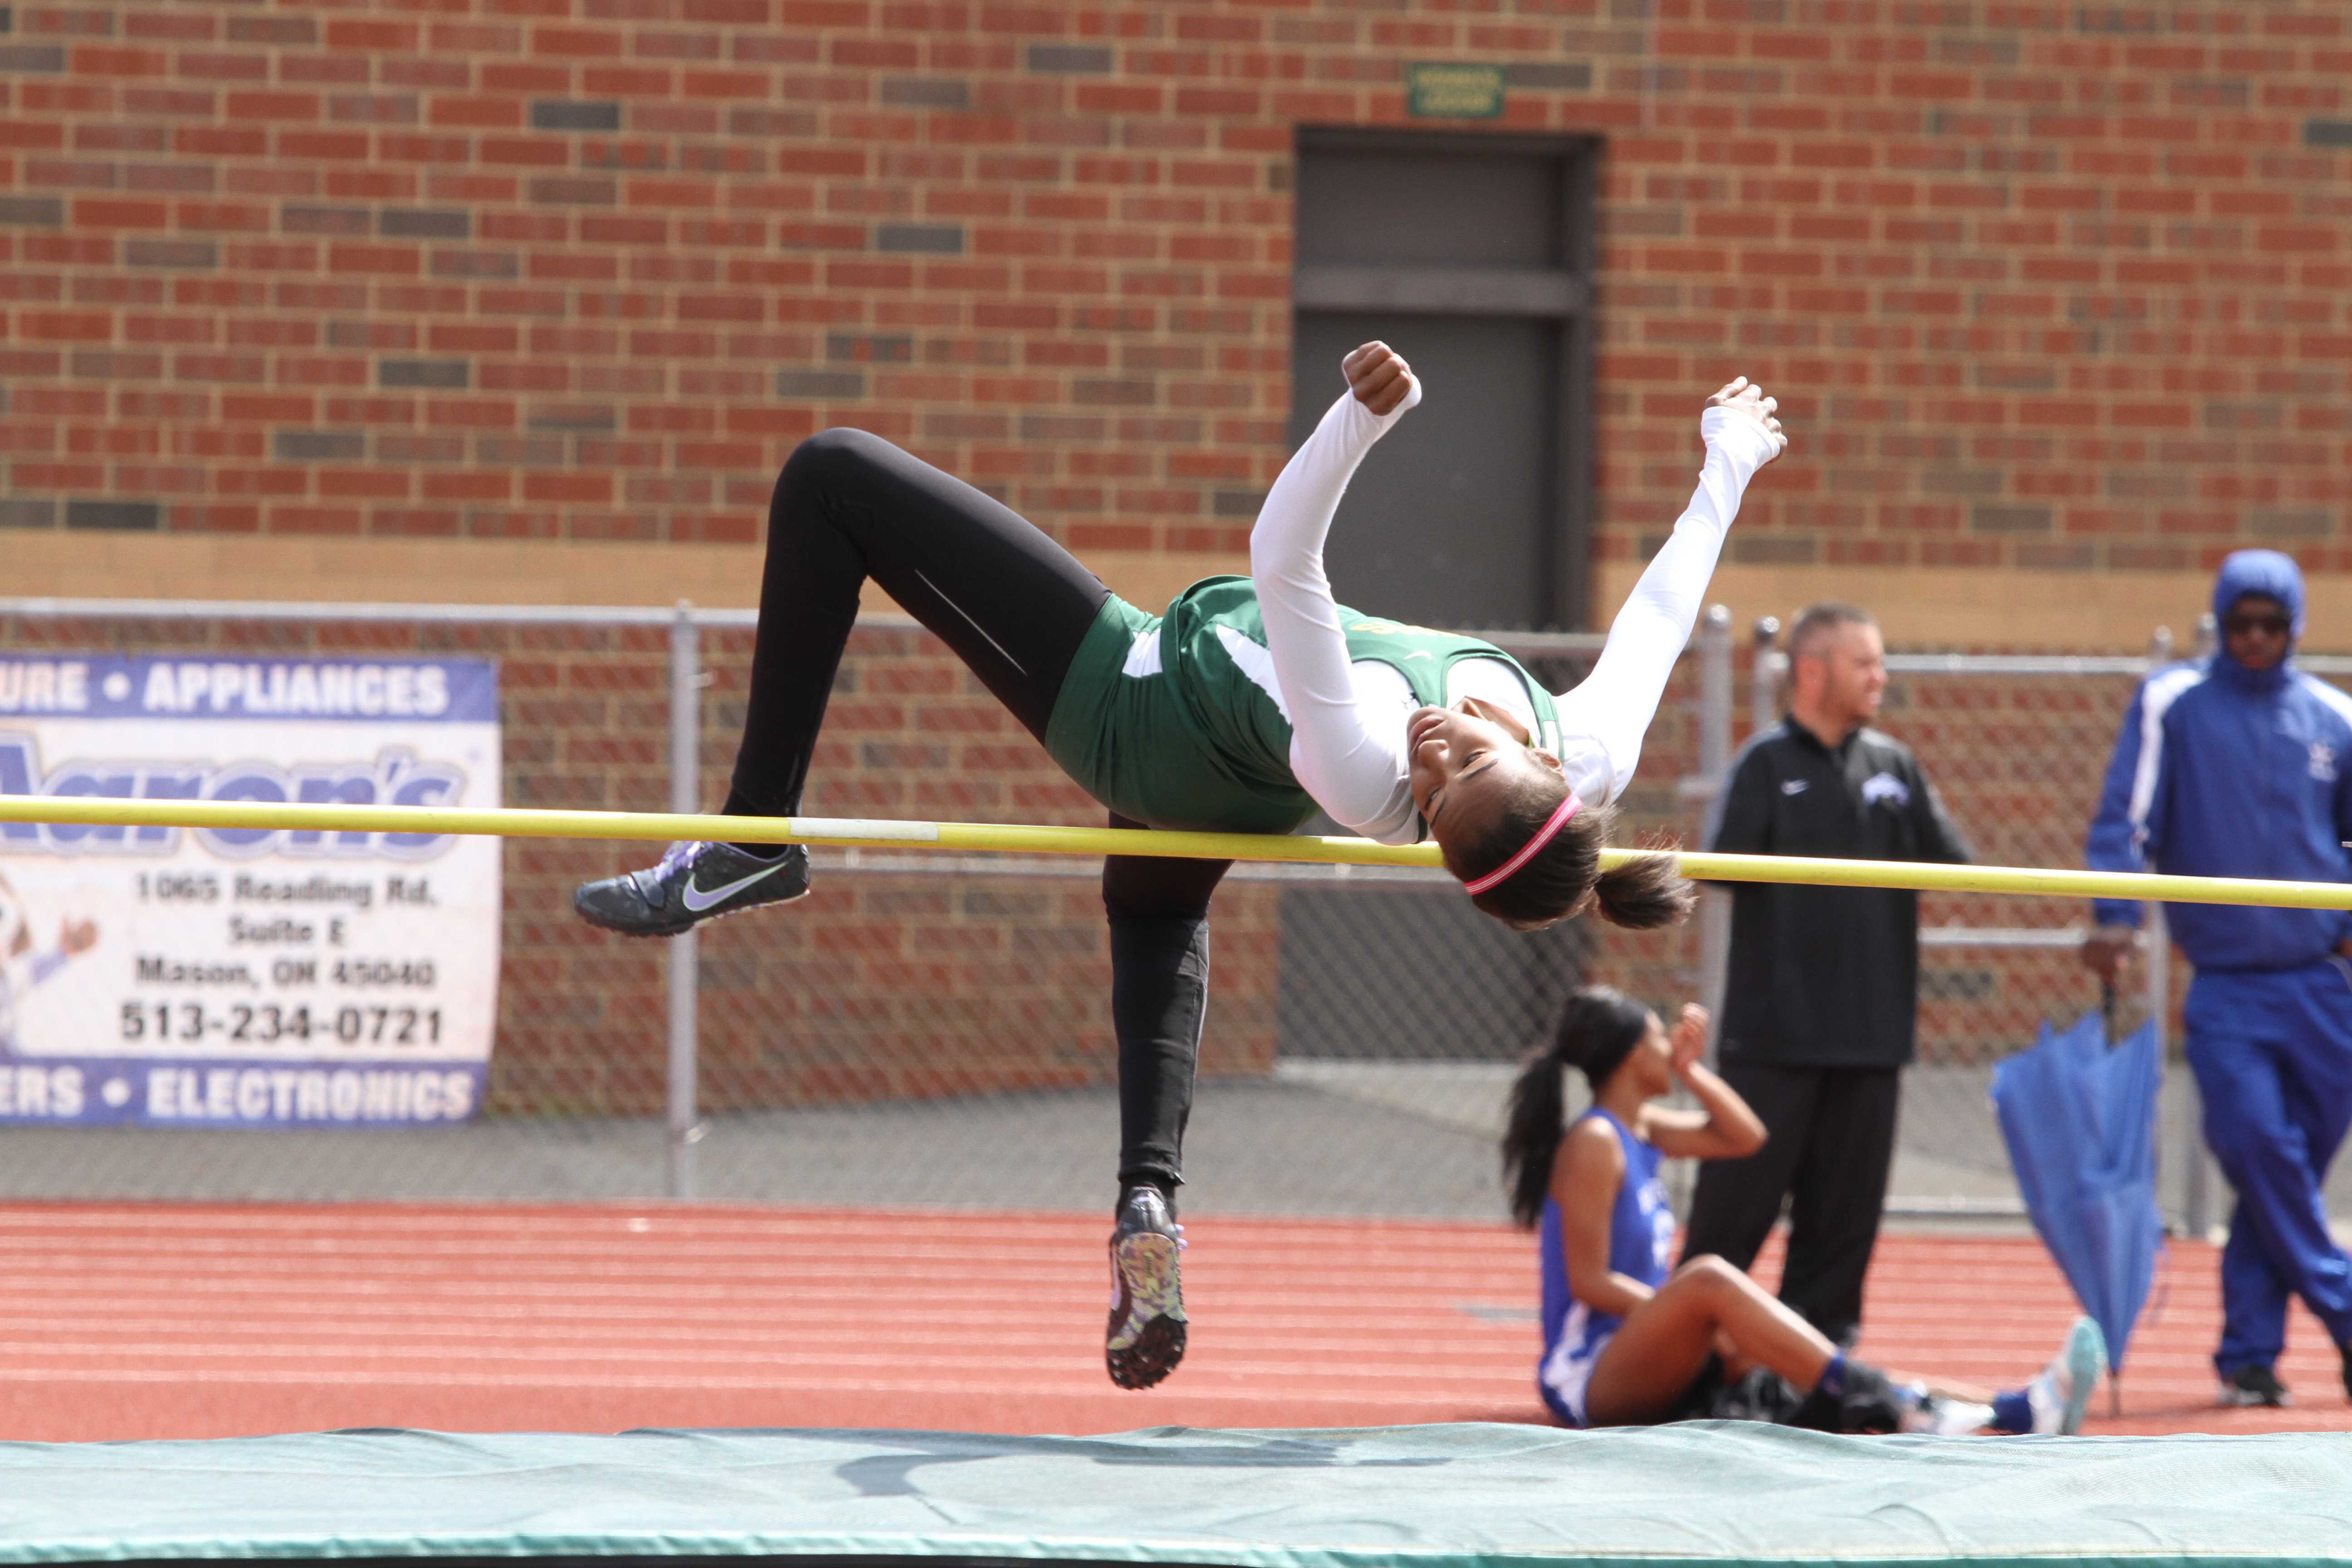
<point x="694" y="882"/>
<point x="1145" y="1337"/>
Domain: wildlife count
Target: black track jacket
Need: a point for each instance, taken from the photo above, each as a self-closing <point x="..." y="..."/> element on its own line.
<point x="1826" y="976"/>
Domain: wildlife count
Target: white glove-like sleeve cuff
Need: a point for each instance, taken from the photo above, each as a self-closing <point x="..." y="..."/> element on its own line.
<point x="1738" y="438"/>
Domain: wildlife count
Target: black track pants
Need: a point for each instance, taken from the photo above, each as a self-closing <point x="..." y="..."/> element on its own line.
<point x="1014" y="606"/>
<point x="1831" y="1145"/>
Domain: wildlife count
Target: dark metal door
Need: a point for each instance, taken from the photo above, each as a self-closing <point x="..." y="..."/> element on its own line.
<point x="1449" y="523"/>
<point x="1469" y="254"/>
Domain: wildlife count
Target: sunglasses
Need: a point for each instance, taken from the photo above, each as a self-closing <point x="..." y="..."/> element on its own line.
<point x="2271" y="626"/>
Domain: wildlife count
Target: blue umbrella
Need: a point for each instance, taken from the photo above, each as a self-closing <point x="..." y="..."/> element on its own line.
<point x="2080" y="1122"/>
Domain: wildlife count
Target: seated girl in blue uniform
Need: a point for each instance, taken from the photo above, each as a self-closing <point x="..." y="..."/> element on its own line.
<point x="1628" y="1339"/>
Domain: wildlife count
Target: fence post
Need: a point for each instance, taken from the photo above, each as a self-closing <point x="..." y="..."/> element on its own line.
<point x="1714" y="762"/>
<point x="2188" y="1156"/>
<point x="684" y="1124"/>
<point x="1764" y="682"/>
<point x="2196" y="1196"/>
<point x="1715" y="767"/>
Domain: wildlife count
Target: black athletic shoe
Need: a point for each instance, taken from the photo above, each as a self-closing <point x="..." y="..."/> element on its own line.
<point x="2345" y="1353"/>
<point x="694" y="882"/>
<point x="2253" y="1386"/>
<point x="1145" y="1338"/>
<point x="1869" y="1402"/>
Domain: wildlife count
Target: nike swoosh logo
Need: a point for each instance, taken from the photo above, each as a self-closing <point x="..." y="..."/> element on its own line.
<point x="697" y="900"/>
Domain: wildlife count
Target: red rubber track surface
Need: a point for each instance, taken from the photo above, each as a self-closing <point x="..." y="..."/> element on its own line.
<point x="177" y="1320"/>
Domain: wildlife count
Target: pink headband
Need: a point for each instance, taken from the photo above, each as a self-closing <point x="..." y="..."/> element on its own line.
<point x="1543" y="836"/>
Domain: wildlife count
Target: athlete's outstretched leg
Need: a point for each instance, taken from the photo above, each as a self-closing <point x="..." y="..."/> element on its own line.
<point x="1012" y="603"/>
<point x="1159" y="911"/>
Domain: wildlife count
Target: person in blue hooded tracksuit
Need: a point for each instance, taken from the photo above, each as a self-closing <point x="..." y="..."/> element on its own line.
<point x="2240" y="765"/>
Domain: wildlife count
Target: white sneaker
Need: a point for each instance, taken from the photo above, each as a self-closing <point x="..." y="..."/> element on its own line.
<point x="2061" y="1392"/>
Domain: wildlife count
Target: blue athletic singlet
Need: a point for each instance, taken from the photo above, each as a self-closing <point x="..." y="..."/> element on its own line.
<point x="1641" y="1246"/>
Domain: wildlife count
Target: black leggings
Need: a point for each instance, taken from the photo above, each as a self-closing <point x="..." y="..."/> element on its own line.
<point x="1013" y="605"/>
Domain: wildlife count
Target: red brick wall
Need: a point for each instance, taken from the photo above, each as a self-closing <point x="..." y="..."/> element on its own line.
<point x="2054" y="285"/>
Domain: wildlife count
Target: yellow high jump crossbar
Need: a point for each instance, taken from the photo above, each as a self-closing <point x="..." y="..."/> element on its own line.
<point x="514" y="822"/>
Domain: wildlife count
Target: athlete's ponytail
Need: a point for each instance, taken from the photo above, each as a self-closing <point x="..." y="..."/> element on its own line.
<point x="1645" y="893"/>
<point x="1553" y="883"/>
<point x="1598" y="1029"/>
<point x="1538" y="1115"/>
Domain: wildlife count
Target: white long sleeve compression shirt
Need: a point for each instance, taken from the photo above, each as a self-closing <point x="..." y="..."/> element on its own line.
<point x="1346" y="747"/>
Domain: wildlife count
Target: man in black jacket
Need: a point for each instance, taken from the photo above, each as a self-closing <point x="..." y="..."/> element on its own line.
<point x="1822" y="995"/>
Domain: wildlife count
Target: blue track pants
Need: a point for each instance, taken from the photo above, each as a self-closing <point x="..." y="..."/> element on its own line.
<point x="2272" y="1050"/>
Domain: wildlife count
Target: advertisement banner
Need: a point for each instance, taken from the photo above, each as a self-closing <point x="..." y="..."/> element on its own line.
<point x="246" y="978"/>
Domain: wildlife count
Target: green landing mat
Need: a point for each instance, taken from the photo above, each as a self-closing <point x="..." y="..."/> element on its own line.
<point x="1409" y="1497"/>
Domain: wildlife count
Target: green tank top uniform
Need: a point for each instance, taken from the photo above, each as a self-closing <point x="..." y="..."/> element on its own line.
<point x="1171" y="719"/>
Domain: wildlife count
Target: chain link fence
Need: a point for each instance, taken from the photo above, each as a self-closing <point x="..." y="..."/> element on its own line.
<point x="2019" y="747"/>
<point x="929" y="1029"/>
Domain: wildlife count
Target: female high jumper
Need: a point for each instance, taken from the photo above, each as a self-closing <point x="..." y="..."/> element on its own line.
<point x="1629" y="1340"/>
<point x="1249" y="703"/>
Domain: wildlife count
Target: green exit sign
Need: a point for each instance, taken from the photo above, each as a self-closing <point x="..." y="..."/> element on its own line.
<point x="1453" y="92"/>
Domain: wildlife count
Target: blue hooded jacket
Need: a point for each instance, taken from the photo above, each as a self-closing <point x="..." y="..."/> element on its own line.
<point x="2222" y="771"/>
